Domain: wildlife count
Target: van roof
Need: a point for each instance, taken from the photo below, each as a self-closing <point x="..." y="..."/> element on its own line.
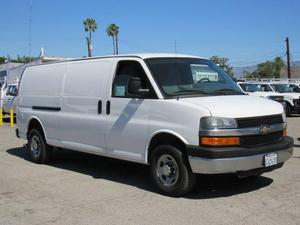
<point x="139" y="55"/>
<point x="160" y="55"/>
<point x="143" y="56"/>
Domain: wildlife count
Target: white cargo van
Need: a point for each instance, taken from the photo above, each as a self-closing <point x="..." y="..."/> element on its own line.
<point x="152" y="109"/>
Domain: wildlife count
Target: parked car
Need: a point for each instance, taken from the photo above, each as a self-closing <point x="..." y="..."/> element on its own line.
<point x="262" y="90"/>
<point x="155" y="110"/>
<point x="9" y="101"/>
<point x="2" y="93"/>
<point x="291" y="94"/>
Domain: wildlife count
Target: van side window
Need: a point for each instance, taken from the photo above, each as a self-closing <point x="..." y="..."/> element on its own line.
<point x="125" y="71"/>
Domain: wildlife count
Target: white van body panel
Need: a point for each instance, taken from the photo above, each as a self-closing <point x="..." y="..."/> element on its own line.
<point x="244" y="106"/>
<point x="84" y="85"/>
<point x="42" y="86"/>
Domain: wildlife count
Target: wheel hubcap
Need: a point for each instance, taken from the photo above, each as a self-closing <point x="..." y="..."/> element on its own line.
<point x="35" y="146"/>
<point x="167" y="170"/>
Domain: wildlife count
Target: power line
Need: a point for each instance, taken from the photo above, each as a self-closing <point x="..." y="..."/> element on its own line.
<point x="256" y="61"/>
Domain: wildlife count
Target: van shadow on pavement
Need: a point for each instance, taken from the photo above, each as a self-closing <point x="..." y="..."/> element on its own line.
<point x="137" y="175"/>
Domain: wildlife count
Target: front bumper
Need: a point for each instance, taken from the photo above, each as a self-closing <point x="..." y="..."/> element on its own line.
<point x="208" y="160"/>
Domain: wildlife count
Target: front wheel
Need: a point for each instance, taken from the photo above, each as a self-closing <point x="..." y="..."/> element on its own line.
<point x="288" y="109"/>
<point x="170" y="171"/>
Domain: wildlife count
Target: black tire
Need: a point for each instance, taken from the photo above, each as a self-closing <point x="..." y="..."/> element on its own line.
<point x="177" y="184"/>
<point x="288" y="109"/>
<point x="40" y="152"/>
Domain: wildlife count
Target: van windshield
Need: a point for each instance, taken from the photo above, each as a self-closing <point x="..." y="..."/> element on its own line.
<point x="286" y="88"/>
<point x="190" y="76"/>
<point x="255" y="87"/>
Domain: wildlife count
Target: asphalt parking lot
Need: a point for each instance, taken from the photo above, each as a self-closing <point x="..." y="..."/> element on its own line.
<point x="77" y="188"/>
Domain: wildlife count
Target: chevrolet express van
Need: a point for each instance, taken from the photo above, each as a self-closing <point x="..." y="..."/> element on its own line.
<point x="155" y="109"/>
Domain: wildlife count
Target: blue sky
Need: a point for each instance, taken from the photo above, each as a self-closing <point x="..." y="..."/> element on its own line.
<point x="247" y="32"/>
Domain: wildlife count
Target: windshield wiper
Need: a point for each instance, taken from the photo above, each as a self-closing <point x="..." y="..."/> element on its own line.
<point x="227" y="91"/>
<point x="188" y="91"/>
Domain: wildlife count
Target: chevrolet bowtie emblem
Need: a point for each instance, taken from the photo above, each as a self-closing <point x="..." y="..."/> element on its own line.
<point x="264" y="129"/>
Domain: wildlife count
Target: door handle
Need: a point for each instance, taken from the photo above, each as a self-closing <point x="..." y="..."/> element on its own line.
<point x="99" y="107"/>
<point x="108" y="107"/>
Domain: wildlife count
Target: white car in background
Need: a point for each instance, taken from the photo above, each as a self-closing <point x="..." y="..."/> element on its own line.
<point x="291" y="94"/>
<point x="2" y="93"/>
<point x="9" y="100"/>
<point x="262" y="90"/>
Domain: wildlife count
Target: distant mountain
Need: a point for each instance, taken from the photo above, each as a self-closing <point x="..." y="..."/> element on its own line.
<point x="295" y="64"/>
<point x="238" y="71"/>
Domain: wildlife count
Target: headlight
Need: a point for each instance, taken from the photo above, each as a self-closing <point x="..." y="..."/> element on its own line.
<point x="210" y="123"/>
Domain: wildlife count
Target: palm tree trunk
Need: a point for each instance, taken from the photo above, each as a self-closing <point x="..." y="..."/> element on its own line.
<point x="114" y="47"/>
<point x="117" y="45"/>
<point x="90" y="44"/>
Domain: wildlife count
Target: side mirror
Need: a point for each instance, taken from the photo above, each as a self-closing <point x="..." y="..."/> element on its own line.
<point x="135" y="86"/>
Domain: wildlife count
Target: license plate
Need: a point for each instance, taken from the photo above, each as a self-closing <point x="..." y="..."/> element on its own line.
<point x="270" y="159"/>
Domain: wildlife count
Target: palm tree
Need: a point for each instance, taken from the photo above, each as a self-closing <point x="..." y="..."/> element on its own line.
<point x="113" y="31"/>
<point x="90" y="26"/>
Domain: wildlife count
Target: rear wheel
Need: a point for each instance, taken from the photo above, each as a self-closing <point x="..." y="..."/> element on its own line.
<point x="39" y="151"/>
<point x="170" y="171"/>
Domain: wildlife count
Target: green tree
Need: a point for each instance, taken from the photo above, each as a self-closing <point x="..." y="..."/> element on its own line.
<point x="223" y="63"/>
<point x="278" y="66"/>
<point x="2" y="59"/>
<point x="113" y="31"/>
<point x="90" y="26"/>
<point x="247" y="74"/>
<point x="22" y="59"/>
<point x="270" y="69"/>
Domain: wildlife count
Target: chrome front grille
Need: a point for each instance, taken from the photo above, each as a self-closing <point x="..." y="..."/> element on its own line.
<point x="259" y="121"/>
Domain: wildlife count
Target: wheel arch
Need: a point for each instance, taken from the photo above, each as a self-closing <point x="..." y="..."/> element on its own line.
<point x="161" y="137"/>
<point x="289" y="100"/>
<point x="35" y="122"/>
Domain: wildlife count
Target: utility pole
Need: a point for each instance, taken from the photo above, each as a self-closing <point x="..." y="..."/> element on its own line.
<point x="30" y="21"/>
<point x="288" y="57"/>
